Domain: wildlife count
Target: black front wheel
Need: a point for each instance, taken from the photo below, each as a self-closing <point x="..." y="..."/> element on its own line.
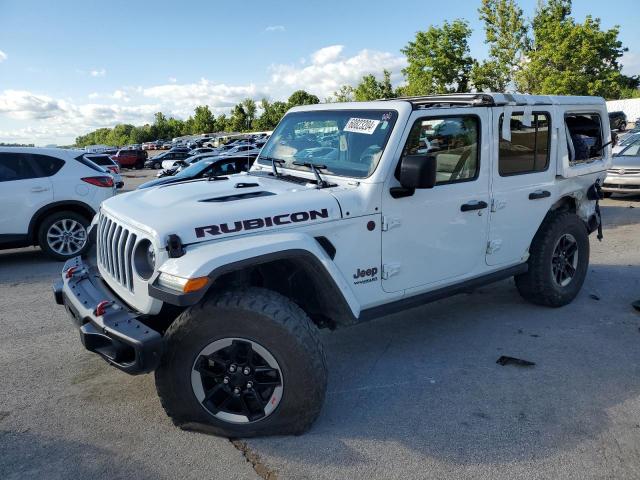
<point x="243" y="363"/>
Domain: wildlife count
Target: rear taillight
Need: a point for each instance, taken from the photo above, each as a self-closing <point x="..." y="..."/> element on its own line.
<point x="99" y="181"/>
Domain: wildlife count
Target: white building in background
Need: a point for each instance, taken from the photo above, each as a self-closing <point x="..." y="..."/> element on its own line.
<point x="630" y="107"/>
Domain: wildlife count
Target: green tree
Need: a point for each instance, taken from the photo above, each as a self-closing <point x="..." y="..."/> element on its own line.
<point x="220" y="124"/>
<point x="203" y="120"/>
<point x="238" y="120"/>
<point x="249" y="107"/>
<point x="438" y="60"/>
<point x="506" y="34"/>
<point x="370" y="88"/>
<point x="300" y="97"/>
<point x="272" y="113"/>
<point x="571" y="58"/>
<point x="345" y="94"/>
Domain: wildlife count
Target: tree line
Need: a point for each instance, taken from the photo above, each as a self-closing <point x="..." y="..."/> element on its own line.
<point x="551" y="54"/>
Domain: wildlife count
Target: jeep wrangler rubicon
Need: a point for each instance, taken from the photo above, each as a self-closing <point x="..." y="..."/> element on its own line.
<point x="352" y="211"/>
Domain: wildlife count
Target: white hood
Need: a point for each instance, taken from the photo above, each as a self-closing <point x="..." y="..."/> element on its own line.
<point x="204" y="210"/>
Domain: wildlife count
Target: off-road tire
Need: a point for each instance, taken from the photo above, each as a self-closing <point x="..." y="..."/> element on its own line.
<point x="56" y="217"/>
<point x="537" y="285"/>
<point x="259" y="315"/>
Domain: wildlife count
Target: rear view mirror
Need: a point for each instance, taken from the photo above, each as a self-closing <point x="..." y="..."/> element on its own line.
<point x="416" y="171"/>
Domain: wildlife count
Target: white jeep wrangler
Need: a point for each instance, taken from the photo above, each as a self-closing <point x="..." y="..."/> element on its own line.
<point x="351" y="211"/>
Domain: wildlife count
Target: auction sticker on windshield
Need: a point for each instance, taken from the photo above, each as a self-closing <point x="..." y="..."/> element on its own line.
<point x="361" y="125"/>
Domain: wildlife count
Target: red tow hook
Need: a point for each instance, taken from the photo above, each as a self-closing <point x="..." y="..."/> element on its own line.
<point x="70" y="271"/>
<point x="101" y="307"/>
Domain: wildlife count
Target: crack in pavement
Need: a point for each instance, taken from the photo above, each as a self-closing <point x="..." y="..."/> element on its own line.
<point x="253" y="458"/>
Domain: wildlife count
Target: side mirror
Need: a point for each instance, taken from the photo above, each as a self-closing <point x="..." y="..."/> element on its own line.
<point x="416" y="171"/>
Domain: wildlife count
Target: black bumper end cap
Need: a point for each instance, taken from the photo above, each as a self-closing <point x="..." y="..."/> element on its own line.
<point x="57" y="292"/>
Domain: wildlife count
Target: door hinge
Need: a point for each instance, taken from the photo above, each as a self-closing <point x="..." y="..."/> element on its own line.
<point x="389" y="270"/>
<point x="493" y="246"/>
<point x="497" y="205"/>
<point x="389" y="223"/>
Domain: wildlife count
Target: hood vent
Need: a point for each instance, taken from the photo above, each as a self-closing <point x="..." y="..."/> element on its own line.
<point x="239" y="196"/>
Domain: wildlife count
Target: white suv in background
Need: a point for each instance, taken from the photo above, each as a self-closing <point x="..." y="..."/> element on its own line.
<point x="48" y="198"/>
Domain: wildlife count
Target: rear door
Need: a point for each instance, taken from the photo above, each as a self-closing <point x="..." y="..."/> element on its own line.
<point x="523" y="174"/>
<point x="24" y="189"/>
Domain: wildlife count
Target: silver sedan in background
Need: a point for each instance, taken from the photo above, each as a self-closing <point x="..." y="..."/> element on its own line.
<point x="624" y="174"/>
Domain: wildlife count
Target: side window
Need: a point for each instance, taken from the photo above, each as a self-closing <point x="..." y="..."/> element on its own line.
<point x="16" y="166"/>
<point x="454" y="143"/>
<point x="528" y="150"/>
<point x="47" y="165"/>
<point x="584" y="137"/>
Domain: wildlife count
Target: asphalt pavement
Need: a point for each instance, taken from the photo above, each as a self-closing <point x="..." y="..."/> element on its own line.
<point x="414" y="395"/>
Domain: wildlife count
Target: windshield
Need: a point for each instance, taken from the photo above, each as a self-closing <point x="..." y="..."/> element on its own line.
<point x="193" y="169"/>
<point x="348" y="142"/>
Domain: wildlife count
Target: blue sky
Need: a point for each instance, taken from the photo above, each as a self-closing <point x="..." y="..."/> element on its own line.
<point x="67" y="67"/>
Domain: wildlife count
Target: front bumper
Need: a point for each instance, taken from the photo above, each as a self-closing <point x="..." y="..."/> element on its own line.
<point x="114" y="332"/>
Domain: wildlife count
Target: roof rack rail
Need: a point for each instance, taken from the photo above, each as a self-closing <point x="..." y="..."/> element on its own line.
<point x="456" y="99"/>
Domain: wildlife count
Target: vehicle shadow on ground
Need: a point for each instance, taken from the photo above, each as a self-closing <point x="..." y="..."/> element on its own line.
<point x="427" y="380"/>
<point x="27" y="455"/>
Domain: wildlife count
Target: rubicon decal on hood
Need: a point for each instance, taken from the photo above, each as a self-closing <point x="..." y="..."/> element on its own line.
<point x="255" y="223"/>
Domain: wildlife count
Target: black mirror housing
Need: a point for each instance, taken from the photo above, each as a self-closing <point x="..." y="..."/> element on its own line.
<point x="418" y="171"/>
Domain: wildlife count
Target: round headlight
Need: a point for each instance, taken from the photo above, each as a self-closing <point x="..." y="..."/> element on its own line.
<point x="144" y="259"/>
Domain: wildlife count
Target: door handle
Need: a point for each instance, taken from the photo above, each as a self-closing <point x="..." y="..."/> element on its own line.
<point x="467" y="207"/>
<point x="39" y="189"/>
<point x="539" y="194"/>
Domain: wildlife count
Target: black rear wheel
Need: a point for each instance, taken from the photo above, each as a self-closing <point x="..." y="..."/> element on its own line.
<point x="558" y="261"/>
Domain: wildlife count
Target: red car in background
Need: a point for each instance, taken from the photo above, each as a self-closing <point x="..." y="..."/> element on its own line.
<point x="130" y="158"/>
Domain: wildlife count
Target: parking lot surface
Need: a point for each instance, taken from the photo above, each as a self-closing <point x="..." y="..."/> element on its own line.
<point x="414" y="395"/>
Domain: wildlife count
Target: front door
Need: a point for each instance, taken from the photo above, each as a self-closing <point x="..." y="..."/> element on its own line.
<point x="439" y="234"/>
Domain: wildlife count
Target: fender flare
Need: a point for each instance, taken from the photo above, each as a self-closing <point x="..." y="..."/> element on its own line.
<point x="254" y="251"/>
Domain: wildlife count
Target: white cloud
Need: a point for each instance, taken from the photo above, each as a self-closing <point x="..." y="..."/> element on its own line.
<point x="24" y="105"/>
<point x="275" y="28"/>
<point x="98" y="73"/>
<point x="329" y="69"/>
<point x="3" y="56"/>
<point x="34" y="117"/>
<point x="327" y="54"/>
<point x="204" y="92"/>
<point x="121" y="95"/>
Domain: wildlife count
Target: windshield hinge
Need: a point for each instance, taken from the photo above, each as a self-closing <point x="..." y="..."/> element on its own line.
<point x="388" y="223"/>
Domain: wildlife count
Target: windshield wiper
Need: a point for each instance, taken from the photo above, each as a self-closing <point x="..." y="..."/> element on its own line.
<point x="273" y="161"/>
<point x="315" y="168"/>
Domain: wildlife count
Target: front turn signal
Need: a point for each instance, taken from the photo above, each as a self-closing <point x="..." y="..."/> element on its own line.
<point x="195" y="284"/>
